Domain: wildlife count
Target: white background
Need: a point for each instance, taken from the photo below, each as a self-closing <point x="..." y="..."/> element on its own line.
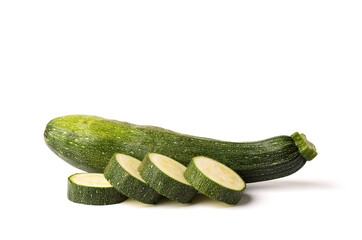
<point x="230" y="70"/>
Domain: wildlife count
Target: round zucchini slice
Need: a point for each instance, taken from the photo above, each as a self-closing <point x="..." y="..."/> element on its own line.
<point x="92" y="189"/>
<point x="215" y="180"/>
<point x="166" y="176"/>
<point x="122" y="172"/>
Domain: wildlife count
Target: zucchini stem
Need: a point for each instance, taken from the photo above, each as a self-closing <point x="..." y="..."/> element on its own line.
<point x="305" y="147"/>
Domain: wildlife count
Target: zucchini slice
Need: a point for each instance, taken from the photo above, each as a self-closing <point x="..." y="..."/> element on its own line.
<point x="92" y="189"/>
<point x="122" y="173"/>
<point x="166" y="176"/>
<point x="215" y="180"/>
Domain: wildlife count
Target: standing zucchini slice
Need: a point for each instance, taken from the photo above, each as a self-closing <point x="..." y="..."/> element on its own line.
<point x="122" y="173"/>
<point x="166" y="176"/>
<point x="92" y="189"/>
<point x="215" y="180"/>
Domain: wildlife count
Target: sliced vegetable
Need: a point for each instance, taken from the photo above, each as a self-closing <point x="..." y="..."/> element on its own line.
<point x="92" y="189"/>
<point x="215" y="180"/>
<point x="122" y="173"/>
<point x="165" y="175"/>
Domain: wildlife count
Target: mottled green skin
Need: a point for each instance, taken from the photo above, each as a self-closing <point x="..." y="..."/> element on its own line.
<point x="210" y="188"/>
<point x="129" y="185"/>
<point x="89" y="142"/>
<point x="164" y="184"/>
<point x="93" y="195"/>
<point x="273" y="171"/>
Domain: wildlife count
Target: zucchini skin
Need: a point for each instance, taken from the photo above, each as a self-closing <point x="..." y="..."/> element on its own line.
<point x="89" y="142"/>
<point x="128" y="185"/>
<point x="93" y="195"/>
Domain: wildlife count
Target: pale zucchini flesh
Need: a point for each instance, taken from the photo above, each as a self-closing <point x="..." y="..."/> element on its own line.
<point x="130" y="164"/>
<point x="92" y="189"/>
<point x="165" y="175"/>
<point x="122" y="173"/>
<point x="90" y="180"/>
<point x="215" y="180"/>
<point x="219" y="173"/>
<point x="169" y="166"/>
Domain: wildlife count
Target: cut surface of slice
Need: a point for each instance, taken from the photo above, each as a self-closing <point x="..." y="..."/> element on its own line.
<point x="219" y="173"/>
<point x="92" y="189"/>
<point x="166" y="176"/>
<point x="130" y="164"/>
<point x="169" y="167"/>
<point x="215" y="180"/>
<point x="90" y="180"/>
<point x="122" y="172"/>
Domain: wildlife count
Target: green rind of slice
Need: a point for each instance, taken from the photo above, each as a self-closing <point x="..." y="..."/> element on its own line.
<point x="160" y="180"/>
<point x="305" y="147"/>
<point x="126" y="181"/>
<point x="211" y="187"/>
<point x="99" y="193"/>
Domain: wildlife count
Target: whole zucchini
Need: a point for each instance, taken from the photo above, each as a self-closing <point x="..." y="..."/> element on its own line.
<point x="89" y="142"/>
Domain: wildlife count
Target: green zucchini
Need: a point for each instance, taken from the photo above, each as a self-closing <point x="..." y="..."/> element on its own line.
<point x="89" y="142"/>
<point x="215" y="180"/>
<point x="122" y="173"/>
<point x="166" y="176"/>
<point x="92" y="189"/>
